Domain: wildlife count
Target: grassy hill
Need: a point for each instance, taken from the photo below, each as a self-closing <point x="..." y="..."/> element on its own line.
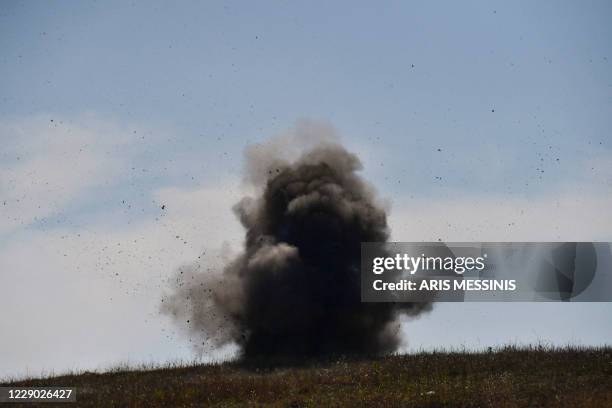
<point x="509" y="377"/>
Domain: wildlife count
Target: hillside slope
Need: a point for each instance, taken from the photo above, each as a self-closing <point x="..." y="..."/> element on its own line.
<point x="510" y="377"/>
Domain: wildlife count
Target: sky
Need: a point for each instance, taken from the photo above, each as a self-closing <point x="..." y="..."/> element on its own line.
<point x="475" y="121"/>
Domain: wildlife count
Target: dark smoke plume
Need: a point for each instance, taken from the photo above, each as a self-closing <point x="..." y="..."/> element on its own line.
<point x="294" y="291"/>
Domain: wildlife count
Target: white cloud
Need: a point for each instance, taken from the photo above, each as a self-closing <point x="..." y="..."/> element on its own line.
<point x="46" y="163"/>
<point x="569" y="215"/>
<point x="86" y="298"/>
<point x="558" y="216"/>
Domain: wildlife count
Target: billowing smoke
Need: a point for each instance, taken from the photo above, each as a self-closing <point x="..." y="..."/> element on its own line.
<point x="294" y="290"/>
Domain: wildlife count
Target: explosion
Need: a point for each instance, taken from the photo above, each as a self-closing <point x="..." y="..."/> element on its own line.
<point x="294" y="290"/>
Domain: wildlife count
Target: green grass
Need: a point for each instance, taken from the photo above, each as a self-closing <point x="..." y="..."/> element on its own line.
<point x="508" y="377"/>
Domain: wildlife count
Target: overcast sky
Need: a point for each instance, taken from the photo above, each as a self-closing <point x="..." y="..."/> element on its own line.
<point x="483" y="121"/>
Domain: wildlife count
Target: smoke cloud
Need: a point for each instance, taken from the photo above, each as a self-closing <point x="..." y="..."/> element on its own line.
<point x="294" y="290"/>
